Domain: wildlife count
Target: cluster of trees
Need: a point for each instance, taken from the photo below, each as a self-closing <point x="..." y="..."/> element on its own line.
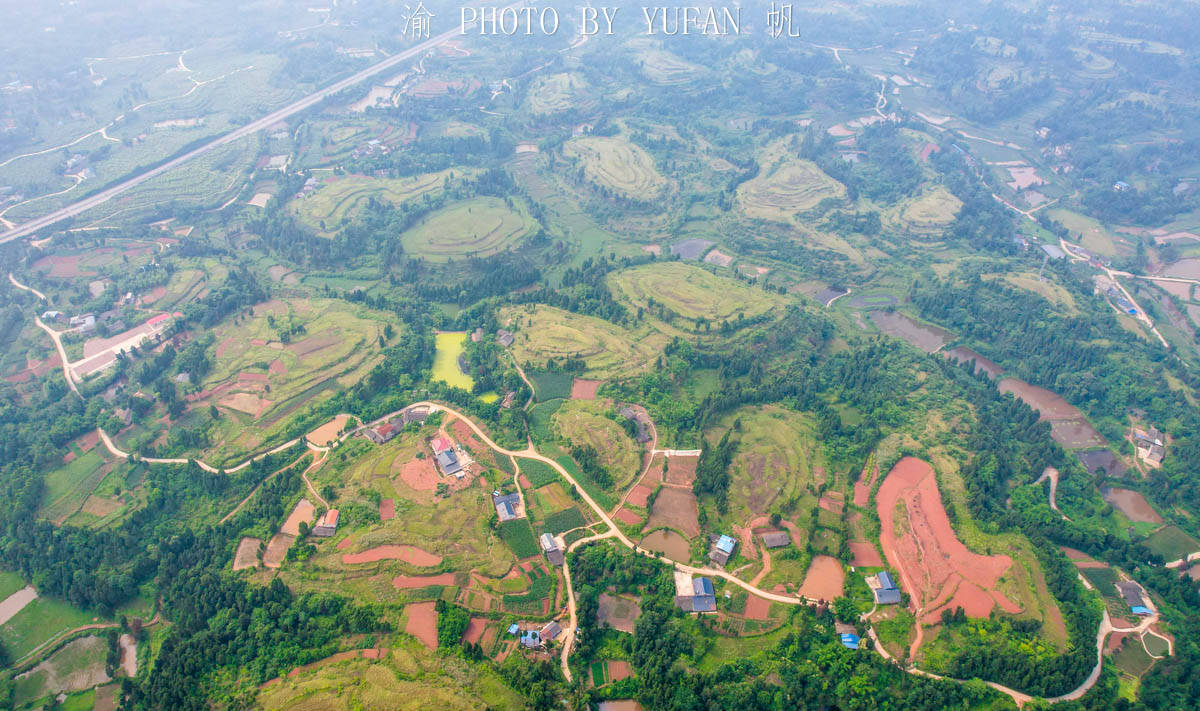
<point x="712" y="471"/>
<point x="589" y="461"/>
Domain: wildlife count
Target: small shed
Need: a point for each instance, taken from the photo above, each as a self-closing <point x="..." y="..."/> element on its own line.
<point x="776" y="539"/>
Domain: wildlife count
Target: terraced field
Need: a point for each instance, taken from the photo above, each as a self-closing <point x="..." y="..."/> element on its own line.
<point x="334" y="203"/>
<point x="583" y="422"/>
<point x="691" y="293"/>
<point x="556" y="92"/>
<point x="259" y="375"/>
<point x="930" y="213"/>
<point x="544" y="332"/>
<point x="788" y="187"/>
<point x="618" y="165"/>
<point x="774" y="464"/>
<point x="477" y="227"/>
<point x="666" y="69"/>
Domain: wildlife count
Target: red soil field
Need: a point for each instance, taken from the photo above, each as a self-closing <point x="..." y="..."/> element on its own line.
<point x="62" y="266"/>
<point x="585" y="389"/>
<point x="420" y="474"/>
<point x="409" y="582"/>
<point x="935" y="568"/>
<point x="474" y="631"/>
<point x="757" y="608"/>
<point x="963" y="354"/>
<point x="345" y="543"/>
<point x="681" y="470"/>
<point x="154" y="295"/>
<point x="69" y="457"/>
<point x="422" y="623"/>
<point x="865" y="555"/>
<point x="831" y="501"/>
<point x="252" y="377"/>
<point x="277" y="367"/>
<point x="639" y="495"/>
<point x="257" y="342"/>
<point x="628" y="517"/>
<point x="387" y="509"/>
<point x="525" y="483"/>
<point x="824" y="579"/>
<point x="409" y="554"/>
<point x="618" y="670"/>
<point x="862" y="495"/>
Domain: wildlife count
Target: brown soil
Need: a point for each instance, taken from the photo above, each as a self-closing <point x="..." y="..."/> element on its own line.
<point x="277" y="368"/>
<point x="387" y="509"/>
<point x="618" y="612"/>
<point x="475" y="630"/>
<point x="824" y="579"/>
<point x="678" y="509"/>
<point x="865" y="555"/>
<point x="757" y="608"/>
<point x="420" y="474"/>
<point x="639" y="496"/>
<point x="585" y="389"/>
<point x="328" y="432"/>
<point x="224" y="345"/>
<point x="1076" y="434"/>
<point x="247" y="553"/>
<point x="1049" y="404"/>
<point x="303" y="511"/>
<point x="924" y="336"/>
<point x="409" y="582"/>
<point x="669" y="543"/>
<point x="1133" y="505"/>
<point x="681" y="470"/>
<point x="963" y="354"/>
<point x="618" y="670"/>
<point x="627" y="517"/>
<point x="277" y="550"/>
<point x="408" y="554"/>
<point x="422" y="623"/>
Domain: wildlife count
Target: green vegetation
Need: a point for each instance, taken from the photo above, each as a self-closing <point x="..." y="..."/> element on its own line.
<point x="617" y="166"/>
<point x="539" y="473"/>
<point x="518" y="536"/>
<point x="336" y="203"/>
<point x="41" y="620"/>
<point x="551" y="385"/>
<point x="564" y="520"/>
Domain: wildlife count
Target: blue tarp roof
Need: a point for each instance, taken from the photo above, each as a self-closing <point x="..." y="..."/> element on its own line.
<point x="850" y="641"/>
<point x="1141" y="610"/>
<point x="513" y="628"/>
<point x="725" y="544"/>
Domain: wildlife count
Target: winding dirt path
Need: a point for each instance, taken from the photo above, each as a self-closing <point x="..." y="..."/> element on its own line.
<point x="13" y="280"/>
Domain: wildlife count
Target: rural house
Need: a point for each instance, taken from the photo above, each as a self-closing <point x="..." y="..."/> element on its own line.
<point x="694" y="594"/>
<point x="504" y="338"/>
<point x="414" y="414"/>
<point x="883" y="587"/>
<point x="441" y="444"/>
<point x="776" y="539"/>
<point x="507" y="506"/>
<point x="448" y="462"/>
<point x="327" y="525"/>
<point x="722" y="550"/>
<point x="550" y="547"/>
<point x="382" y="433"/>
<point x="1150" y="445"/>
<point x="551" y="631"/>
<point x="643" y="433"/>
<point x="531" y="639"/>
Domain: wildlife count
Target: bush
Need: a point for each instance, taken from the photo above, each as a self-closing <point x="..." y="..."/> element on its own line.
<point x="538" y="473"/>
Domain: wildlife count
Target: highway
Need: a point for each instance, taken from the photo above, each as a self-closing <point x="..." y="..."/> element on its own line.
<point x="31" y="226"/>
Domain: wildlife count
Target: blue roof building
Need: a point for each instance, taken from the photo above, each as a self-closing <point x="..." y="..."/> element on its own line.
<point x="513" y="628"/>
<point x="849" y="641"/>
<point x="885" y="580"/>
<point x="723" y="549"/>
<point x="448" y="463"/>
<point x="531" y="639"/>
<point x="506" y="506"/>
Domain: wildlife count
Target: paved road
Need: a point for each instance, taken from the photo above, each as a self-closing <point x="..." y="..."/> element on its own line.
<point x="31" y="226"/>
